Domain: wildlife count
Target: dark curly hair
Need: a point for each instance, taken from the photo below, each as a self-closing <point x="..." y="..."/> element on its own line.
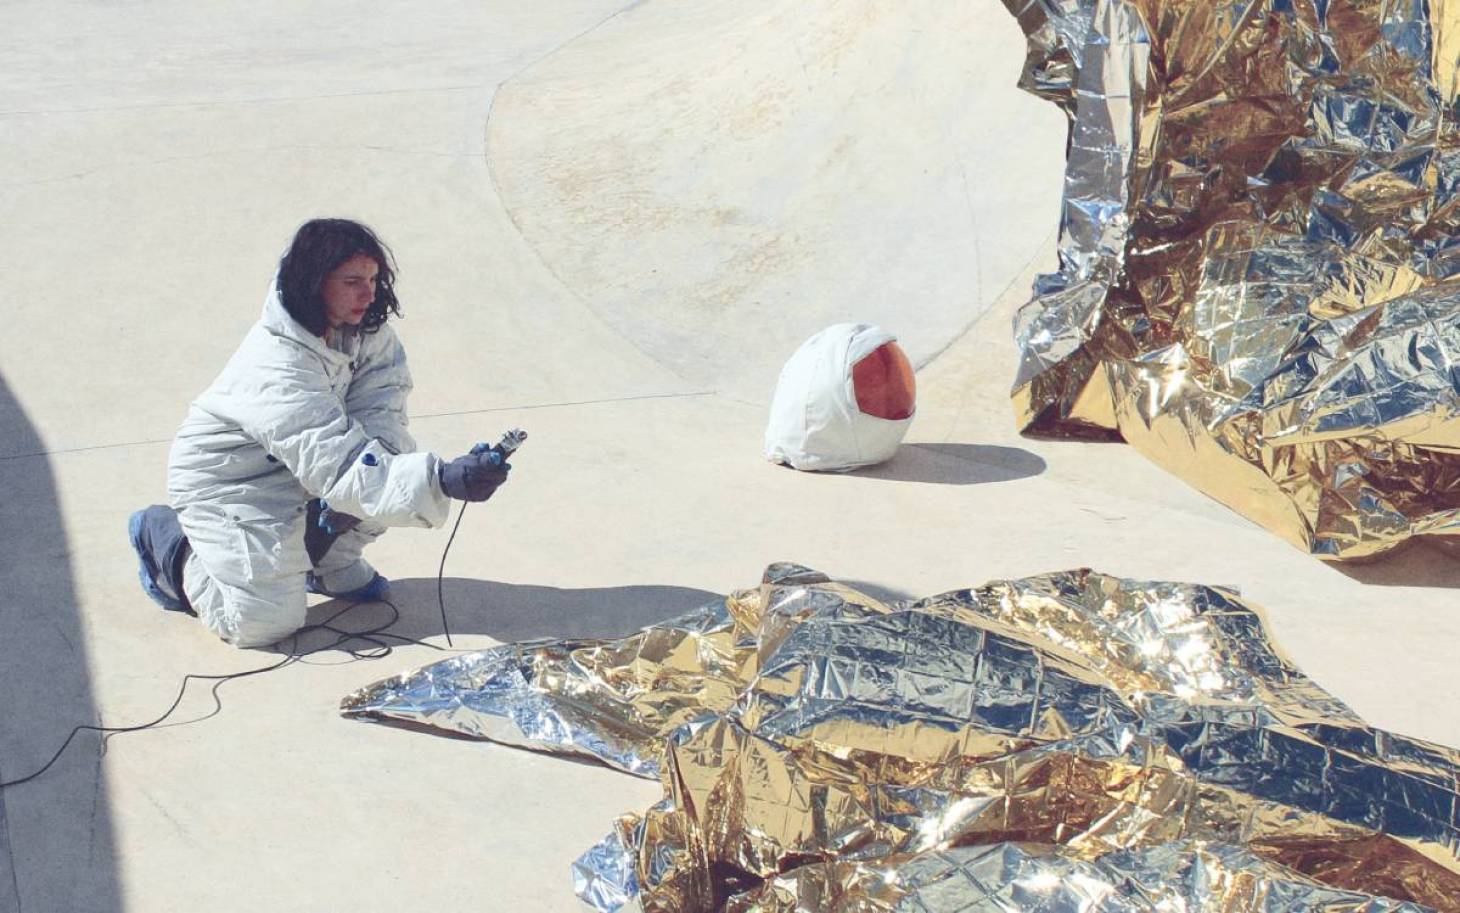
<point x="319" y="246"/>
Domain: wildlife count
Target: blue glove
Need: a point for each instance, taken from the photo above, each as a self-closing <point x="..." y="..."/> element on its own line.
<point x="334" y="522"/>
<point x="322" y="527"/>
<point x="476" y="476"/>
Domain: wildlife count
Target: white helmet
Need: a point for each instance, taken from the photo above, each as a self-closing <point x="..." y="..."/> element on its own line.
<point x="844" y="400"/>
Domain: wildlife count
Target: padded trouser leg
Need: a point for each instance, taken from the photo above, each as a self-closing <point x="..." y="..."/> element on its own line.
<point x="245" y="616"/>
<point x="342" y="569"/>
<point x="245" y="576"/>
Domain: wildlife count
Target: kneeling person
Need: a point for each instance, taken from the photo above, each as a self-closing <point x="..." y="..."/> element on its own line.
<point x="297" y="456"/>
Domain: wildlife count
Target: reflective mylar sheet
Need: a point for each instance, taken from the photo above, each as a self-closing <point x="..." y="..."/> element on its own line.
<point x="1068" y="742"/>
<point x="1180" y="877"/>
<point x="1259" y="282"/>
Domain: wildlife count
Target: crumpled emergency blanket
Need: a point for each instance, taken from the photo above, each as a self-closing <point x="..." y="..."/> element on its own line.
<point x="1259" y="279"/>
<point x="1067" y="742"/>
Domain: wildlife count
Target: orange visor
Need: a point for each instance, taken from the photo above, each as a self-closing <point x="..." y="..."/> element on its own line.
<point x="885" y="384"/>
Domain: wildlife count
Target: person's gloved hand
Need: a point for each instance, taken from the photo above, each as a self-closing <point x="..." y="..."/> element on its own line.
<point x="475" y="476"/>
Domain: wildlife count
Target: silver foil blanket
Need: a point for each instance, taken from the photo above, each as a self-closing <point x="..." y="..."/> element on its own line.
<point x="1259" y="280"/>
<point x="1185" y="876"/>
<point x="1126" y="745"/>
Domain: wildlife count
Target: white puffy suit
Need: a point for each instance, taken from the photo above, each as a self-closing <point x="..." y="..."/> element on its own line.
<point x="815" y="422"/>
<point x="290" y="418"/>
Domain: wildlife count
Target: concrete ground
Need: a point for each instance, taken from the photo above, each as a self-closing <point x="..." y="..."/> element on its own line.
<point x="614" y="221"/>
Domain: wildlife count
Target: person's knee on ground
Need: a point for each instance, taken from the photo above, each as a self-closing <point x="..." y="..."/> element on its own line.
<point x="256" y="615"/>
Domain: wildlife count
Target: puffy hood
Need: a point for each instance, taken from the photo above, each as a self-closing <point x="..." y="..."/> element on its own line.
<point x="342" y="346"/>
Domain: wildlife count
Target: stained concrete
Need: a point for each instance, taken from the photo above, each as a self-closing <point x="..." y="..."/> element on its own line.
<point x="613" y="221"/>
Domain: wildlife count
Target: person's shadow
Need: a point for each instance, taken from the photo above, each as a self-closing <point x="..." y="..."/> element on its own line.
<point x="507" y="612"/>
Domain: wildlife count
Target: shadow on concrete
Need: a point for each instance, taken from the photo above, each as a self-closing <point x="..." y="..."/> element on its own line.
<point x="878" y="591"/>
<point x="511" y="612"/>
<point x="1420" y="564"/>
<point x="56" y="846"/>
<point x="956" y="464"/>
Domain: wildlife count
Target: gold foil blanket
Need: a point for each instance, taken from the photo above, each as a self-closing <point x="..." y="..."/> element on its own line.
<point x="1259" y="281"/>
<point x="1067" y="742"/>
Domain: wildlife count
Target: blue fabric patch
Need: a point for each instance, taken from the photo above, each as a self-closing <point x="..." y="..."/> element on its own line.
<point x="369" y="459"/>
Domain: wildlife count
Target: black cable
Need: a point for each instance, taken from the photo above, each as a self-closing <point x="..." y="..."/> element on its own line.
<point x="117" y="729"/>
<point x="371" y="636"/>
<point x="379" y="649"/>
<point x="441" y="571"/>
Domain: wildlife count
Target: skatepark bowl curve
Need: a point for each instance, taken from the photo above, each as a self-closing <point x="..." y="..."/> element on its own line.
<point x="614" y="221"/>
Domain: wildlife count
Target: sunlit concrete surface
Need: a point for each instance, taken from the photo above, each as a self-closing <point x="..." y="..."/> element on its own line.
<point x="614" y="222"/>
